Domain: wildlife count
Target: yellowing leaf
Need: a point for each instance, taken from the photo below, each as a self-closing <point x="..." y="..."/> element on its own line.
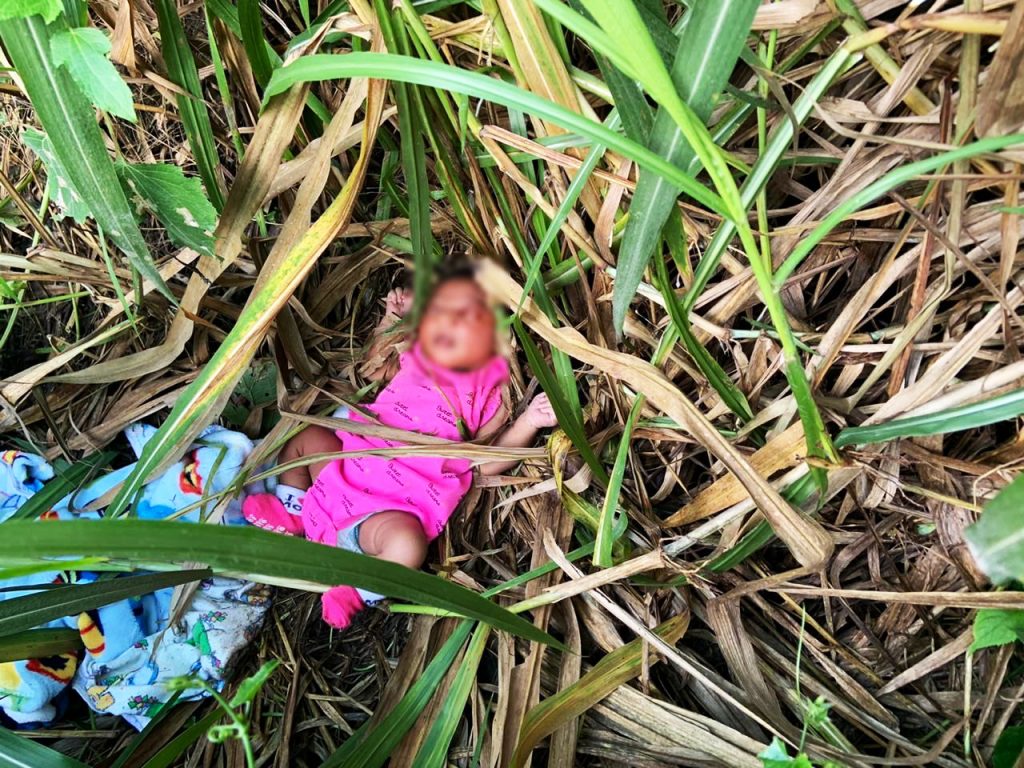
<point x="615" y="669"/>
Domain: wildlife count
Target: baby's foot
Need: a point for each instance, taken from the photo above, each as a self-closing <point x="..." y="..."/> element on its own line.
<point x="266" y="511"/>
<point x="340" y="604"/>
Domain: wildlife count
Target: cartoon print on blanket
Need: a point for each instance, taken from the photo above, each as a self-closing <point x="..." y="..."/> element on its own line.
<point x="129" y="649"/>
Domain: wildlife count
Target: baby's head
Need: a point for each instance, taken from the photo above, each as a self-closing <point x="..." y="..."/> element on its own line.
<point x="457" y="327"/>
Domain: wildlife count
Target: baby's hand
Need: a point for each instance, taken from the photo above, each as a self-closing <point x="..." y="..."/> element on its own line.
<point x="539" y="414"/>
<point x="399" y="302"/>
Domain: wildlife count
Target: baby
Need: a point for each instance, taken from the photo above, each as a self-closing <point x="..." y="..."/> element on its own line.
<point x="450" y="384"/>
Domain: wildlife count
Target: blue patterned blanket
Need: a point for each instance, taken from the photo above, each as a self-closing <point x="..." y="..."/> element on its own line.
<point x="130" y="648"/>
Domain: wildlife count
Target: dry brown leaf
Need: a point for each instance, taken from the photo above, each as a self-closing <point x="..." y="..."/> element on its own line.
<point x="781" y="452"/>
<point x="807" y="540"/>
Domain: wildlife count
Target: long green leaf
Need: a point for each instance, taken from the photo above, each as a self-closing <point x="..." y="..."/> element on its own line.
<point x="414" y="161"/>
<point x="177" y="746"/>
<point x="19" y="752"/>
<point x="765" y="166"/>
<point x="434" y="752"/>
<point x="254" y="554"/>
<point x="971" y="416"/>
<point x="606" y="523"/>
<point x="570" y="420"/>
<point x="250" y="22"/>
<point x="21" y="613"/>
<point x="622" y="29"/>
<point x="371" y="748"/>
<point x="409" y="70"/>
<point x="731" y="394"/>
<point x="37" y="643"/>
<point x="896" y="177"/>
<point x="572" y="194"/>
<point x="195" y="119"/>
<point x="69" y="121"/>
<point x="705" y="58"/>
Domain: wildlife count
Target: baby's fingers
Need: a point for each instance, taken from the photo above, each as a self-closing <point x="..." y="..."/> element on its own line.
<point x="398" y="300"/>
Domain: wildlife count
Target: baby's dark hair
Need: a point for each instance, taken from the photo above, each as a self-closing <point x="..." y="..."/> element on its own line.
<point x="450" y="272"/>
<point x="458" y="269"/>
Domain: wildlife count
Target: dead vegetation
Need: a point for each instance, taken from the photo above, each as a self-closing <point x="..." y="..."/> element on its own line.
<point x="911" y="306"/>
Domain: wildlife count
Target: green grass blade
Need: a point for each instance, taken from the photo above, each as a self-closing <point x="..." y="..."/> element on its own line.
<point x="896" y="177"/>
<point x="636" y="114"/>
<point x="195" y="119"/>
<point x="731" y="394"/>
<point x="37" y="643"/>
<point x="434" y="752"/>
<point x="972" y="416"/>
<point x="797" y="494"/>
<point x="76" y="12"/>
<point x="409" y="70"/>
<point x="250" y="22"/>
<point x="167" y="756"/>
<point x="414" y="162"/>
<point x="69" y="121"/>
<point x="605" y="526"/>
<point x="71" y="564"/>
<point x="622" y="29"/>
<point x="371" y="748"/>
<point x="147" y="733"/>
<point x="19" y="752"/>
<point x="22" y="613"/>
<point x="570" y="420"/>
<point x="572" y="194"/>
<point x="705" y="59"/>
<point x="254" y="554"/>
<point x="765" y="166"/>
<point x="630" y="103"/>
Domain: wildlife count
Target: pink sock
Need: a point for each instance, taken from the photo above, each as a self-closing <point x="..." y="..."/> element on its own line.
<point x="340" y="604"/>
<point x="266" y="511"/>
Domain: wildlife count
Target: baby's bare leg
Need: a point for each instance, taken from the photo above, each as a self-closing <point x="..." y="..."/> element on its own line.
<point x="394" y="536"/>
<point x="308" y="442"/>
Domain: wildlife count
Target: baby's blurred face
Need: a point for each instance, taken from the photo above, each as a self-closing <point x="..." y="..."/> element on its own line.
<point x="457" y="328"/>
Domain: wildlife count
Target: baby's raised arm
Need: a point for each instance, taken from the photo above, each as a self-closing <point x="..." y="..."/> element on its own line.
<point x="520" y="433"/>
<point x="379" y="364"/>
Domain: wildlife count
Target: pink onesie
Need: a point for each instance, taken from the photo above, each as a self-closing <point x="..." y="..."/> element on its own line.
<point x="421" y="399"/>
